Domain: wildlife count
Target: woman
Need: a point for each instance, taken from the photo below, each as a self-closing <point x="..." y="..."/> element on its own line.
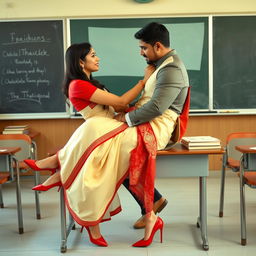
<point x="100" y="153"/>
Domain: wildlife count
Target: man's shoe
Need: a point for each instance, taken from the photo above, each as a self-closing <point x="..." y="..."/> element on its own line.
<point x="157" y="207"/>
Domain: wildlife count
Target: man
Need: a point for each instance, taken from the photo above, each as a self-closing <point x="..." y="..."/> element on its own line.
<point x="170" y="91"/>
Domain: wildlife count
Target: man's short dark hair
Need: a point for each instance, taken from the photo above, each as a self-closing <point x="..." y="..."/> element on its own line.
<point x="154" y="32"/>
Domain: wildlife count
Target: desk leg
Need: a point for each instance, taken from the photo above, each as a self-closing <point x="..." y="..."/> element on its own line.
<point x="63" y="221"/>
<point x="202" y="219"/>
<point x="64" y="229"/>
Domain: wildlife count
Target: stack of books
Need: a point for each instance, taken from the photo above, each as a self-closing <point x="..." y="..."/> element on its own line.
<point x="16" y="129"/>
<point x="201" y="142"/>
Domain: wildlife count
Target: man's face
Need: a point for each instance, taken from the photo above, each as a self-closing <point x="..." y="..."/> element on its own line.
<point x="148" y="52"/>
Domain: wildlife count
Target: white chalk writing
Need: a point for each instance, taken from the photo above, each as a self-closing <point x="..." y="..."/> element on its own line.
<point x="27" y="96"/>
<point x="25" y="63"/>
<point x="26" y="38"/>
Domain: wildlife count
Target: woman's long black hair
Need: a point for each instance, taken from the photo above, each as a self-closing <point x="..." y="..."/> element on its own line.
<point x="74" y="54"/>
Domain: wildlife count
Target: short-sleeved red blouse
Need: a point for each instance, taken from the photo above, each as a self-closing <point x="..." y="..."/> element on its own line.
<point x="80" y="93"/>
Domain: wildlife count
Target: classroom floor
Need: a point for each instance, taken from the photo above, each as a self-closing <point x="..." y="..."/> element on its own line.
<point x="181" y="237"/>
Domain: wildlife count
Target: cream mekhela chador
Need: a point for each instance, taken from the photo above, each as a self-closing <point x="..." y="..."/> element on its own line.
<point x="96" y="159"/>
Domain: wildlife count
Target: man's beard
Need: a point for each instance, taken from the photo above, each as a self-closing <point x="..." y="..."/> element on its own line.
<point x="150" y="62"/>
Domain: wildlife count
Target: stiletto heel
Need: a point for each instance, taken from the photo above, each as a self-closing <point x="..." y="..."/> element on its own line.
<point x="99" y="241"/>
<point x="161" y="234"/>
<point x="42" y="187"/>
<point x="32" y="164"/>
<point x="158" y="225"/>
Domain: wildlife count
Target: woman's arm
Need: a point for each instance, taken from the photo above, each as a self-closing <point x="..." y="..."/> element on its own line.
<point x="120" y="102"/>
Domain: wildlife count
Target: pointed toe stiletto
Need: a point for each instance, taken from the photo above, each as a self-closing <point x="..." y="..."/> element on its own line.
<point x="99" y="241"/>
<point x="42" y="187"/>
<point x="158" y="225"/>
<point x="32" y="164"/>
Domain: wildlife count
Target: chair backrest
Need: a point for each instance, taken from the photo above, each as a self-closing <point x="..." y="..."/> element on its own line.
<point x="184" y="115"/>
<point x="181" y="124"/>
<point x="236" y="139"/>
<point x="18" y="140"/>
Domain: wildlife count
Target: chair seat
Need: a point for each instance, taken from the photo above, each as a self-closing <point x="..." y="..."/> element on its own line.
<point x="233" y="164"/>
<point x="250" y="178"/>
<point x="4" y="176"/>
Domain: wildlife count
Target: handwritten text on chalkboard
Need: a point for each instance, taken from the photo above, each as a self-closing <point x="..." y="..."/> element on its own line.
<point x="26" y="66"/>
<point x="31" y="66"/>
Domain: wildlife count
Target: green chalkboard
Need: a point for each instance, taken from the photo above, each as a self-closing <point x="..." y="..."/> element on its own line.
<point x="234" y="62"/>
<point x="32" y="68"/>
<point x="121" y="64"/>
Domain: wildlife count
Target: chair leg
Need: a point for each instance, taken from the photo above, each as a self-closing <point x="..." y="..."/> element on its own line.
<point x="222" y="189"/>
<point x="1" y="197"/>
<point x="37" y="181"/>
<point x="242" y="211"/>
<point x="19" y="206"/>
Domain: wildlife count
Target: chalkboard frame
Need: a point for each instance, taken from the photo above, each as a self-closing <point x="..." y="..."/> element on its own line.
<point x="63" y="111"/>
<point x="232" y="40"/>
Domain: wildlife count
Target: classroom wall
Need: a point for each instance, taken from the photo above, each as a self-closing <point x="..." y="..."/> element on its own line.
<point x="13" y="9"/>
<point x="54" y="133"/>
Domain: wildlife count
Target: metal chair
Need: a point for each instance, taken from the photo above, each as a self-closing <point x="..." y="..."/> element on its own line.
<point x="231" y="158"/>
<point x="28" y="150"/>
<point x="247" y="173"/>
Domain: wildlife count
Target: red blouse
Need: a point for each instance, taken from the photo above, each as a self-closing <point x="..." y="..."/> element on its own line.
<point x="80" y="93"/>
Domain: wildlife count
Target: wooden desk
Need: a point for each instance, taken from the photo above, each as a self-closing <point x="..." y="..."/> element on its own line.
<point x="28" y="150"/>
<point x="247" y="163"/>
<point x="181" y="162"/>
<point x="176" y="162"/>
<point x="7" y="152"/>
<point x="7" y="161"/>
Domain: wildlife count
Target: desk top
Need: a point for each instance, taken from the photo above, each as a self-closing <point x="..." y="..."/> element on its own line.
<point x="9" y="150"/>
<point x="179" y="149"/>
<point x="246" y="149"/>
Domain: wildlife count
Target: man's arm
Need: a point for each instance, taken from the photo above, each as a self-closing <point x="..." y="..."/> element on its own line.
<point x="170" y="81"/>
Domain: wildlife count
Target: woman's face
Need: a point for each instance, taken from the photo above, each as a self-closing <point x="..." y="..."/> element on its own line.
<point x="91" y="63"/>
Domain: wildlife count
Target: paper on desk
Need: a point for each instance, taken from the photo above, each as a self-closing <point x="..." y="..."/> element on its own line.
<point x="3" y="150"/>
<point x="254" y="148"/>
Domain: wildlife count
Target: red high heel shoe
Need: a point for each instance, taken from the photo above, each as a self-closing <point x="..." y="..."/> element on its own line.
<point x="32" y="164"/>
<point x="158" y="225"/>
<point x="42" y="187"/>
<point x="99" y="241"/>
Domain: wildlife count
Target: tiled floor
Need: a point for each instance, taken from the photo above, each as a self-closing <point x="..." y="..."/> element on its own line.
<point x="181" y="237"/>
